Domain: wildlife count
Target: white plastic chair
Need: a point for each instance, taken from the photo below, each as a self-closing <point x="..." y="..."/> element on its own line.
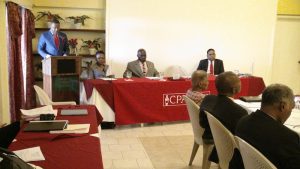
<point x="252" y="158"/>
<point x="223" y="139"/>
<point x="45" y="100"/>
<point x="170" y="71"/>
<point x="193" y="110"/>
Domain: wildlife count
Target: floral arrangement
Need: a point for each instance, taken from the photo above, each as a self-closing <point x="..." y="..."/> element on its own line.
<point x="49" y="16"/>
<point x="78" y="19"/>
<point x="73" y="43"/>
<point x="96" y="43"/>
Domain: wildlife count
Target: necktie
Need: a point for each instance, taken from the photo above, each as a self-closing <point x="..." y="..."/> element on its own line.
<point x="144" y="69"/>
<point x="56" y="41"/>
<point x="211" y="68"/>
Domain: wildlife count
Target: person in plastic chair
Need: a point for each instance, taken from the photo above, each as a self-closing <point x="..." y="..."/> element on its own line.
<point x="265" y="131"/>
<point x="53" y="42"/>
<point x="141" y="67"/>
<point x="211" y="65"/>
<point x="199" y="84"/>
<point x="8" y="133"/>
<point x="225" y="110"/>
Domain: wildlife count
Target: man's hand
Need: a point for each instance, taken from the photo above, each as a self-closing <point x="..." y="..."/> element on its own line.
<point x="47" y="56"/>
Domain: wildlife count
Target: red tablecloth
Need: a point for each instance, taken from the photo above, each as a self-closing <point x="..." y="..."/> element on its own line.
<point x="61" y="151"/>
<point x="143" y="100"/>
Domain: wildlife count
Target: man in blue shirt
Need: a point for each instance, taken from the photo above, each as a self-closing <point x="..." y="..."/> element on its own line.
<point x="53" y="42"/>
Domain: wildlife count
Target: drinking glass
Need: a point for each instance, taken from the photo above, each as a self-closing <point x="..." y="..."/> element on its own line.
<point x="128" y="74"/>
<point x="161" y="75"/>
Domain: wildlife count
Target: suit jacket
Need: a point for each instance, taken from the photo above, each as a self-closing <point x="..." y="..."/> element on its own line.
<point x="229" y="113"/>
<point x="46" y="45"/>
<point x="8" y="134"/>
<point x="277" y="142"/>
<point x="218" y="66"/>
<point x="136" y="70"/>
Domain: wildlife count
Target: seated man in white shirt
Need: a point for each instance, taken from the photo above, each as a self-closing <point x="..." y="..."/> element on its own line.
<point x="141" y="67"/>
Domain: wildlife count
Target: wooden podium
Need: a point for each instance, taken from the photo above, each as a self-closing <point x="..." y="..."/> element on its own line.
<point x="61" y="77"/>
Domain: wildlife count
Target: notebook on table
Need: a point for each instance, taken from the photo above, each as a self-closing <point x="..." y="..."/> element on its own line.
<point x="251" y="98"/>
<point x="46" y="125"/>
<point x="74" y="112"/>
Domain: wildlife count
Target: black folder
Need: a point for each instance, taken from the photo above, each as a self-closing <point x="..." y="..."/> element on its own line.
<point x="46" y="125"/>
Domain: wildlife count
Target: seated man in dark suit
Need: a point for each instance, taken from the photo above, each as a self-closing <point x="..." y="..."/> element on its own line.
<point x="225" y="110"/>
<point x="8" y="133"/>
<point x="141" y="67"/>
<point x="265" y="131"/>
<point x="211" y="65"/>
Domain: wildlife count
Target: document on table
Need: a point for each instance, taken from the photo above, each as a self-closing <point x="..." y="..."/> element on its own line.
<point x="74" y="128"/>
<point x="294" y="119"/>
<point x="30" y="154"/>
<point x="34" y="114"/>
<point x="107" y="78"/>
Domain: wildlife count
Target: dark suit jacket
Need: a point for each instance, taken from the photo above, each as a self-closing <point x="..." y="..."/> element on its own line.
<point x="8" y="133"/>
<point x="229" y="113"/>
<point x="218" y="66"/>
<point x="136" y="70"/>
<point x="277" y="142"/>
<point x="46" y="45"/>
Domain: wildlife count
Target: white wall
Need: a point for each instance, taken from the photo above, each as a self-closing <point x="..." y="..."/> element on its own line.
<point x="176" y="32"/>
<point x="286" y="69"/>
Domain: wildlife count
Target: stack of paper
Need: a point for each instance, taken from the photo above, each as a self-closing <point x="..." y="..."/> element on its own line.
<point x="74" y="128"/>
<point x="34" y="114"/>
<point x="30" y="154"/>
<point x="107" y="78"/>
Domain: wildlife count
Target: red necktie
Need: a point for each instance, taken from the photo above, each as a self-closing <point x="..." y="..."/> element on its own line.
<point x="211" y="68"/>
<point x="56" y="41"/>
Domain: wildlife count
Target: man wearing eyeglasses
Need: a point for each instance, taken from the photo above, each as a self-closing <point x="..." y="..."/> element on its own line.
<point x="211" y="65"/>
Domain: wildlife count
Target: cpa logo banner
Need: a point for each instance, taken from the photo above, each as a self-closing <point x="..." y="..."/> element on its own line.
<point x="173" y="99"/>
<point x="176" y="99"/>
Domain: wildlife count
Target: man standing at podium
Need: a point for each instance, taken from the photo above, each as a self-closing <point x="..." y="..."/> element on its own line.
<point x="53" y="42"/>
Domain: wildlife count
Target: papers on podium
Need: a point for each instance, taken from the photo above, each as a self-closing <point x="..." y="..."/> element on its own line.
<point x="30" y="154"/>
<point x="74" y="128"/>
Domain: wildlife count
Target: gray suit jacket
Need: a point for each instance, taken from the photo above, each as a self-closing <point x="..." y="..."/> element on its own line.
<point x="136" y="70"/>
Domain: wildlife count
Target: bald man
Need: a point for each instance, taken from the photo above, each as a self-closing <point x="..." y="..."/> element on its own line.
<point x="224" y="109"/>
<point x="265" y="131"/>
<point x="141" y="67"/>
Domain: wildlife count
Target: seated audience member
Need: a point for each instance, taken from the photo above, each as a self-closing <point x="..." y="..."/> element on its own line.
<point x="211" y="65"/>
<point x="265" y="131"/>
<point x="141" y="67"/>
<point x="8" y="133"/>
<point x="199" y="83"/>
<point x="100" y="68"/>
<point x="224" y="109"/>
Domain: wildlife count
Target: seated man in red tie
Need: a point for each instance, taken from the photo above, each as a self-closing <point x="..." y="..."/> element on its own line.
<point x="141" y="67"/>
<point x="211" y="65"/>
<point x="53" y="42"/>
